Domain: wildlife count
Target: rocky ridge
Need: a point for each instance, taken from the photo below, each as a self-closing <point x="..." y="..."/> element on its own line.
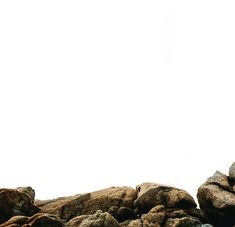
<point x="148" y="205"/>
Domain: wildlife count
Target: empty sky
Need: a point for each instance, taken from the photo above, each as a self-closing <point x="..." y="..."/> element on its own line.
<point x="109" y="93"/>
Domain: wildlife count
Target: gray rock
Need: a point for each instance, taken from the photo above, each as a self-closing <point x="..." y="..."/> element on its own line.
<point x="100" y="219"/>
<point x="232" y="172"/>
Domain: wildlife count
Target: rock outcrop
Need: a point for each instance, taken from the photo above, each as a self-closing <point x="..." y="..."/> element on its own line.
<point x="217" y="198"/>
<point x="148" y="205"/>
<point x="14" y="202"/>
<point x="118" y="201"/>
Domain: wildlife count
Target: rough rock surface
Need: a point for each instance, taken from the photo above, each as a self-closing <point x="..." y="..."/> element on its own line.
<point x="217" y="199"/>
<point x="29" y="191"/>
<point x="14" y="202"/>
<point x="37" y="220"/>
<point x="150" y="195"/>
<point x="232" y="172"/>
<point x="99" y="219"/>
<point x="115" y="200"/>
<point x="149" y="205"/>
<point x="167" y="217"/>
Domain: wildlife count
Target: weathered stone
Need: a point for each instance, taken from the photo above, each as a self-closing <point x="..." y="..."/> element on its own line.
<point x="220" y="179"/>
<point x="151" y="195"/>
<point x="125" y="223"/>
<point x="77" y="220"/>
<point x="16" y="220"/>
<point x="29" y="191"/>
<point x="155" y="217"/>
<point x="232" y="172"/>
<point x="44" y="220"/>
<point x="182" y="222"/>
<point x="69" y="207"/>
<point x="99" y="219"/>
<point x="136" y="223"/>
<point x="217" y="200"/>
<point x="14" y="202"/>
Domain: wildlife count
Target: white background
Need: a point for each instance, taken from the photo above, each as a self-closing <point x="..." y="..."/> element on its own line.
<point x="110" y="93"/>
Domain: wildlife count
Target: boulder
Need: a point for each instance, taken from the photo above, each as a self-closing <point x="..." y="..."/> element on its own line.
<point x="115" y="200"/>
<point x="151" y="195"/>
<point x="13" y="203"/>
<point x="217" y="199"/>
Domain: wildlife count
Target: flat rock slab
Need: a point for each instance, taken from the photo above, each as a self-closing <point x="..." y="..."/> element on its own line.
<point x="108" y="200"/>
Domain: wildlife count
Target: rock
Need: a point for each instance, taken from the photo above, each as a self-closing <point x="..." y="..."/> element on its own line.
<point x="217" y="200"/>
<point x="13" y="203"/>
<point x="125" y="223"/>
<point x="99" y="219"/>
<point x="220" y="179"/>
<point x="37" y="220"/>
<point x="136" y="223"/>
<point x="16" y="220"/>
<point x="232" y="172"/>
<point x="44" y="220"/>
<point x="182" y="222"/>
<point x="168" y="217"/>
<point x="114" y="199"/>
<point x="29" y="191"/>
<point x="77" y="220"/>
<point x="155" y="217"/>
<point x="151" y="195"/>
<point x="122" y="213"/>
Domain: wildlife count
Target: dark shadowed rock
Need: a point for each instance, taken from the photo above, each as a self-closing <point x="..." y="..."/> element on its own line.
<point x="150" y="195"/>
<point x="232" y="172"/>
<point x="217" y="200"/>
<point x="16" y="220"/>
<point x="13" y="202"/>
<point x="37" y="220"/>
<point x="44" y="220"/>
<point x="114" y="199"/>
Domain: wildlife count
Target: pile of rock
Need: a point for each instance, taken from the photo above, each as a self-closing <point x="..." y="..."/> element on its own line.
<point x="149" y="205"/>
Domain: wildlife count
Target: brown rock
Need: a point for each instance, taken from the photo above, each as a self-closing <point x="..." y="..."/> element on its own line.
<point x="136" y="223"/>
<point x="44" y="220"/>
<point x="69" y="207"/>
<point x="13" y="202"/>
<point x="16" y="220"/>
<point x="182" y="222"/>
<point x="77" y="220"/>
<point x="151" y="195"/>
<point x="155" y="217"/>
<point x="217" y="200"/>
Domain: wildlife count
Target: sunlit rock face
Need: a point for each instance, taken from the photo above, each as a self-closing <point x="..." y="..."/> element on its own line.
<point x="147" y="205"/>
